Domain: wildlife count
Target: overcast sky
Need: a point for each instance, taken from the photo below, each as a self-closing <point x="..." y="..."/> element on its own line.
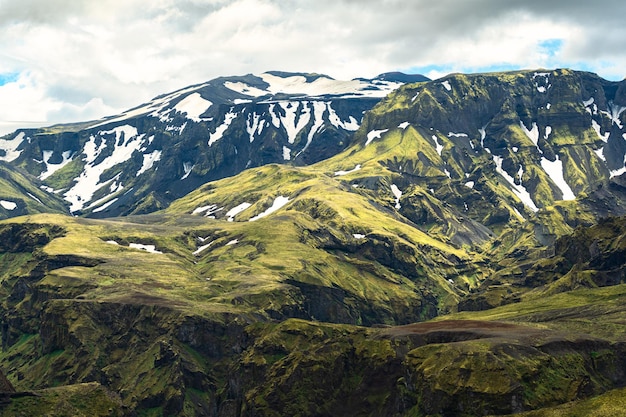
<point x="74" y="60"/>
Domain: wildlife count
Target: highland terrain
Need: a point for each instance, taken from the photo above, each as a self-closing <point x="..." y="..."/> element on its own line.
<point x="290" y="244"/>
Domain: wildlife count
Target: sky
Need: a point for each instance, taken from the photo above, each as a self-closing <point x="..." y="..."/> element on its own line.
<point x="78" y="60"/>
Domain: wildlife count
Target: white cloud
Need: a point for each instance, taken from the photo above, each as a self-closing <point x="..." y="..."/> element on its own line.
<point x="83" y="59"/>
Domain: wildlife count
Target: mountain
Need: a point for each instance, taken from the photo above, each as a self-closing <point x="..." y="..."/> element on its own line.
<point x="462" y="253"/>
<point x="143" y="159"/>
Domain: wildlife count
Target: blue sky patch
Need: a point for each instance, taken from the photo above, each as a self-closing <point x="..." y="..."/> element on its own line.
<point x="551" y="46"/>
<point x="8" y="77"/>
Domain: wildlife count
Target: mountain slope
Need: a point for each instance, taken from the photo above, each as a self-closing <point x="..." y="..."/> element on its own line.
<point x="20" y="195"/>
<point x="146" y="157"/>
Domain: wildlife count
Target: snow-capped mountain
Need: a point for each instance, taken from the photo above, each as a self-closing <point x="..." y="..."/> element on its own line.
<point x="142" y="159"/>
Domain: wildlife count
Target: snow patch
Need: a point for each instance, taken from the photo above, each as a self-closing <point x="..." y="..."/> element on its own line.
<point x="620" y="171"/>
<point x="350" y="125"/>
<point x="221" y="129"/>
<point x="105" y="206"/>
<point x="519" y="190"/>
<point x="126" y="142"/>
<point x="614" y="113"/>
<point x="148" y="161"/>
<point x="596" y="126"/>
<point x="340" y="173"/>
<point x="246" y="89"/>
<point x="438" y="146"/>
<point x="548" y="132"/>
<point x="193" y="105"/>
<point x="298" y="84"/>
<point x="279" y="202"/>
<point x="254" y="125"/>
<point x="289" y="122"/>
<point x="600" y="153"/>
<point x="8" y="205"/>
<point x="446" y="85"/>
<point x="187" y="168"/>
<point x="397" y="194"/>
<point x="457" y="135"/>
<point x="358" y="236"/>
<point x="10" y="147"/>
<point x="286" y="153"/>
<point x="201" y="249"/>
<point x="52" y="168"/>
<point x="470" y="184"/>
<point x="147" y="248"/>
<point x="374" y="134"/>
<point x="236" y="210"/>
<point x="533" y="133"/>
<point x="232" y="242"/>
<point x="554" y="169"/>
<point x="319" y="108"/>
<point x="404" y="125"/>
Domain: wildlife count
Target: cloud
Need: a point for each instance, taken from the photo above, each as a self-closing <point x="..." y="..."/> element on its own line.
<point x="77" y="58"/>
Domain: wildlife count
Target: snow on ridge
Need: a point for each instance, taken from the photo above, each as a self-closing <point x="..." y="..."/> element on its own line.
<point x="221" y="129"/>
<point x="236" y="210"/>
<point x="341" y="173"/>
<point x="554" y="169"/>
<point x="10" y="147"/>
<point x="8" y="205"/>
<point x="193" y="105"/>
<point x="519" y="190"/>
<point x="243" y="88"/>
<point x="157" y="107"/>
<point x="374" y="134"/>
<point x="279" y="202"/>
<point x="298" y="84"/>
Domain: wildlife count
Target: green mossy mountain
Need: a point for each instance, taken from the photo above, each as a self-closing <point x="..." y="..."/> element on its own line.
<point x="462" y="255"/>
